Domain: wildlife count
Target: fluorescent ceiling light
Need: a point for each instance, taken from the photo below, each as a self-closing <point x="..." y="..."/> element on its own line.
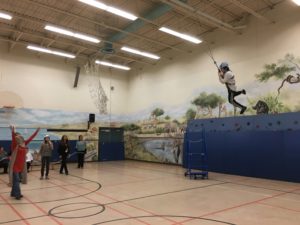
<point x="112" y="65"/>
<point x="53" y="52"/>
<point x="138" y="52"/>
<point x="110" y="9"/>
<point x="72" y="34"/>
<point x="297" y="2"/>
<point x="181" y="35"/>
<point x="5" y="16"/>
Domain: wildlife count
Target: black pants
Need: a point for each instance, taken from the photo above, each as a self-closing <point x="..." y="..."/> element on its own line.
<point x="63" y="165"/>
<point x="231" y="95"/>
<point x="5" y="166"/>
<point x="80" y="160"/>
<point x="28" y="165"/>
<point x="45" y="163"/>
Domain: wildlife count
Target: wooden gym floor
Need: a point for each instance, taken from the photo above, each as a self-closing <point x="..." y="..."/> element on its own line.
<point x="130" y="192"/>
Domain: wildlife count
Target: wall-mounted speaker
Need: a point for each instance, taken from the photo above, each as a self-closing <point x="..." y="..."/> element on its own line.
<point x="76" y="76"/>
<point x="92" y="118"/>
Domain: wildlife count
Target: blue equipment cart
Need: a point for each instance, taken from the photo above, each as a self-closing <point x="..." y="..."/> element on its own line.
<point x="195" y="155"/>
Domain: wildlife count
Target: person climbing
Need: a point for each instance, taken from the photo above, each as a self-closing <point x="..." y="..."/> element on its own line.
<point x="226" y="77"/>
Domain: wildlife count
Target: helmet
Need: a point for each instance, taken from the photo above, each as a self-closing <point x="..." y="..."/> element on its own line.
<point x="223" y="65"/>
<point x="46" y="136"/>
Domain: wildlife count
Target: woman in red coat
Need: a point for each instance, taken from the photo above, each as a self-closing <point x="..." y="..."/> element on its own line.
<point x="18" y="161"/>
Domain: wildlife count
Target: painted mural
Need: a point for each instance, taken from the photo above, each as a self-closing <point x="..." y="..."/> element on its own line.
<point x="156" y="134"/>
<point x="159" y="135"/>
<point x="27" y="120"/>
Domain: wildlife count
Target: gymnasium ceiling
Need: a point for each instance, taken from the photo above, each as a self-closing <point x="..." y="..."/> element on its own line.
<point x="195" y="17"/>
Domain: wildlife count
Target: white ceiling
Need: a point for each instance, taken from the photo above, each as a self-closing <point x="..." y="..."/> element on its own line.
<point x="195" y="17"/>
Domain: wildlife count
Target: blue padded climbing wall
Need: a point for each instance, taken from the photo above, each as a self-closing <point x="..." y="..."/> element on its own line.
<point x="265" y="146"/>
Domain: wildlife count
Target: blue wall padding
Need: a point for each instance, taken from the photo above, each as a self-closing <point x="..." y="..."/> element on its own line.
<point x="265" y="146"/>
<point x="112" y="151"/>
<point x="284" y="121"/>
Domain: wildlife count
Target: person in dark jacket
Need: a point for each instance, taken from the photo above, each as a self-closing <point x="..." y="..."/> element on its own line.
<point x="63" y="152"/>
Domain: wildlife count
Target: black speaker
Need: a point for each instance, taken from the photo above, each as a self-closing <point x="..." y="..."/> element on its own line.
<point x="76" y="76"/>
<point x="92" y="118"/>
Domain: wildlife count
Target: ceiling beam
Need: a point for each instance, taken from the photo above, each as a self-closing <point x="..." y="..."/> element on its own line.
<point x="251" y="11"/>
<point x="202" y="15"/>
<point x="102" y="24"/>
<point x="25" y="43"/>
<point x="96" y="50"/>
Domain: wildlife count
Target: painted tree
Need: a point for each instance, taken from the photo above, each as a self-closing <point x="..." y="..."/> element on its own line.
<point x="157" y="112"/>
<point x="131" y="127"/>
<point x="274" y="70"/>
<point x="176" y="121"/>
<point x="167" y="117"/>
<point x="206" y="103"/>
<point x="190" y="114"/>
<point x="284" y="69"/>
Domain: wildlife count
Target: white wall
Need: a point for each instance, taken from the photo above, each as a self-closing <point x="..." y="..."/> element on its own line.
<point x="175" y="82"/>
<point x="46" y="82"/>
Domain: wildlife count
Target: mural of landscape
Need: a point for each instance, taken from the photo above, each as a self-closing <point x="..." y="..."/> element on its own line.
<point x="156" y="133"/>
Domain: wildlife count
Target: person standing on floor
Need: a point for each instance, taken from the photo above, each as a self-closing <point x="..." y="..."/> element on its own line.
<point x="4" y="160"/>
<point x="46" y="154"/>
<point x="29" y="160"/>
<point x="18" y="161"/>
<point x="64" y="151"/>
<point x="81" y="151"/>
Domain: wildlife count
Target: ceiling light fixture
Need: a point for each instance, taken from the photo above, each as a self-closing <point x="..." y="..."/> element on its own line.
<point x="297" y="2"/>
<point x="110" y="9"/>
<point x="138" y="52"/>
<point x="49" y="51"/>
<point x="5" y="16"/>
<point x="72" y="34"/>
<point x="181" y="35"/>
<point x="104" y="63"/>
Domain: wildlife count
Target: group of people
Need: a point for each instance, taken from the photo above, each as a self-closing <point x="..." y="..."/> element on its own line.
<point x="15" y="164"/>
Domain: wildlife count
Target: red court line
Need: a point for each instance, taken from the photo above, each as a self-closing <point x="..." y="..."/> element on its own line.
<point x="106" y="196"/>
<point x="241" y="205"/>
<point x="137" y="181"/>
<point x="43" y="211"/>
<point x="109" y="171"/>
<point x="144" y="210"/>
<point x="15" y="210"/>
<point x="276" y="206"/>
<point x="3" y="181"/>
<point x="98" y="202"/>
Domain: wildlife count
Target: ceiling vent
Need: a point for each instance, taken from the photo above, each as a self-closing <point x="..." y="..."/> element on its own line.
<point x="107" y="49"/>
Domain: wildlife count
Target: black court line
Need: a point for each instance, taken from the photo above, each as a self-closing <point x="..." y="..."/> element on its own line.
<point x="126" y="200"/>
<point x="164" y="216"/>
<point x="164" y="193"/>
<point x="96" y="205"/>
<point x="230" y="182"/>
<point x="41" y="216"/>
<point x="61" y="199"/>
<point x="34" y="189"/>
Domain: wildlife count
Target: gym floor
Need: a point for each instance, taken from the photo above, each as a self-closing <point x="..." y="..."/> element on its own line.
<point x="131" y="192"/>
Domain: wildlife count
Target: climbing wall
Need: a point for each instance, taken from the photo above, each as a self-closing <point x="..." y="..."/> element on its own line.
<point x="265" y="146"/>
